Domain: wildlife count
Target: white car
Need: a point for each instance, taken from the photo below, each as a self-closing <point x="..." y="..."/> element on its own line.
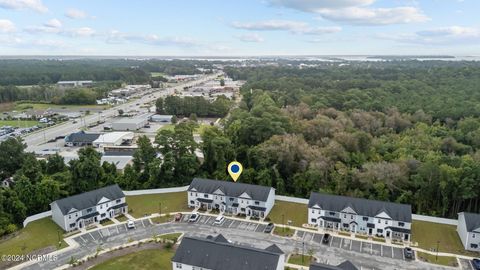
<point x="130" y="224"/>
<point x="194" y="217"/>
<point x="219" y="220"/>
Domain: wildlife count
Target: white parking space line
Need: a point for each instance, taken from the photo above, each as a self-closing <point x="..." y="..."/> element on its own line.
<point x="229" y="226"/>
<point x="208" y="219"/>
<point x="91" y="236"/>
<point x="371" y="248"/>
<point x="85" y="241"/>
<point x="118" y="231"/>
<point x="393" y="255"/>
<point x="351" y="242"/>
<point x="381" y="250"/>
<point x="361" y="246"/>
<point x="331" y="241"/>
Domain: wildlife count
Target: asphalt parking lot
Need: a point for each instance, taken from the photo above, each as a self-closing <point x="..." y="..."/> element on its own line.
<point x="354" y="245"/>
<point x="229" y="223"/>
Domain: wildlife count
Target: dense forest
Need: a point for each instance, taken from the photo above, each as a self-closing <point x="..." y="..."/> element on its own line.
<point x="199" y="106"/>
<point x="406" y="132"/>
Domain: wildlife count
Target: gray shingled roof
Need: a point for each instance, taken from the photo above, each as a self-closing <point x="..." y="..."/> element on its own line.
<point x="472" y="221"/>
<point x="232" y="189"/>
<point x="89" y="199"/>
<point x="346" y="265"/>
<point x="82" y="137"/>
<point x="364" y="207"/>
<point x="216" y="254"/>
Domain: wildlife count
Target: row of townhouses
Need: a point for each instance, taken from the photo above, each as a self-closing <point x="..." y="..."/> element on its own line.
<point x="330" y="212"/>
<point x="219" y="253"/>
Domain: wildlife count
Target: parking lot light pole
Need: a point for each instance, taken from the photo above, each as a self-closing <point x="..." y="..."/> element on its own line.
<point x="436" y="256"/>
<point x="283" y="222"/>
<point x="160" y="208"/>
<point x="303" y="251"/>
<point x="58" y="234"/>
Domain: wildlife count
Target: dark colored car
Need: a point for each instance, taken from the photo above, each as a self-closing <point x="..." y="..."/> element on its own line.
<point x="326" y="238"/>
<point x="408" y="252"/>
<point x="269" y="228"/>
<point x="476" y="264"/>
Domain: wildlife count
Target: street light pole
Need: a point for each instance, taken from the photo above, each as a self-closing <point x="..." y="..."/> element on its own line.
<point x="303" y="251"/>
<point x="160" y="208"/>
<point x="283" y="222"/>
<point x="436" y="256"/>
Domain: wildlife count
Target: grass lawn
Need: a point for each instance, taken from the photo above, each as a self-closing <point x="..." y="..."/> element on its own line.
<point x="286" y="232"/>
<point x="297" y="259"/>
<point x="150" y="259"/>
<point x="38" y="234"/>
<point x="107" y="222"/>
<point x="427" y="234"/>
<point x="361" y="236"/>
<point x="156" y="74"/>
<point x="171" y="236"/>
<point x="378" y="239"/>
<point x="162" y="219"/>
<point x="296" y="212"/>
<point x="201" y="128"/>
<point x="149" y="204"/>
<point x="15" y="123"/>
<point x="43" y="106"/>
<point x="442" y="260"/>
<point x="344" y="233"/>
<point x="121" y="218"/>
<point x="168" y="127"/>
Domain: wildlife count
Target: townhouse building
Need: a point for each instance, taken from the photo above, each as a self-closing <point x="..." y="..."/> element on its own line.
<point x="468" y="229"/>
<point x="231" y="197"/>
<point x="218" y="253"/>
<point x="79" y="211"/>
<point x="363" y="216"/>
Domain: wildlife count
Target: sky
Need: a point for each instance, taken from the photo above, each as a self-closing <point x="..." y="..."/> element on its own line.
<point x="239" y="28"/>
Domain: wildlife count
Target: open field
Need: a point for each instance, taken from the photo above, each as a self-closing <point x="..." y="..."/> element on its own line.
<point x="156" y="74"/>
<point x="7" y="106"/>
<point x="296" y="212"/>
<point x="427" y="234"/>
<point x="297" y="259"/>
<point x="22" y="124"/>
<point x="43" y="106"/>
<point x="141" y="205"/>
<point x="38" y="234"/>
<point x="150" y="259"/>
<point x="442" y="260"/>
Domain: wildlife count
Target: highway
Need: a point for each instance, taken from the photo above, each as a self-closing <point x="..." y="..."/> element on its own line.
<point x="36" y="139"/>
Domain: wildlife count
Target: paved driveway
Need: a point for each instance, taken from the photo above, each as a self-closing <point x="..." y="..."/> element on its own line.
<point x="364" y="255"/>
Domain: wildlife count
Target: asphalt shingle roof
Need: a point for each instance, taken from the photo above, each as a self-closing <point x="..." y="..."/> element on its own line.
<point x="472" y="221"/>
<point x="364" y="207"/>
<point x="232" y="189"/>
<point x="346" y="265"/>
<point x="218" y="254"/>
<point x="89" y="199"/>
<point x="82" y="137"/>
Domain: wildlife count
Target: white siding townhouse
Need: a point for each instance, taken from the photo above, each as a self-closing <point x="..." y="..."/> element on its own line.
<point x="230" y="197"/>
<point x="369" y="217"/>
<point x="218" y="253"/>
<point x="468" y="229"/>
<point x="81" y="210"/>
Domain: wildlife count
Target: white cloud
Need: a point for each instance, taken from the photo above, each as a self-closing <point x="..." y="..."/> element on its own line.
<point x="7" y="26"/>
<point x="73" y="13"/>
<point x="82" y="32"/>
<point x="357" y="12"/>
<point x="451" y="35"/>
<point x="451" y="31"/>
<point x="48" y="43"/>
<point x="250" y="38"/>
<point x="294" y="27"/>
<point x="117" y="37"/>
<point x="35" y="5"/>
<point x="374" y="16"/>
<point x="53" y="23"/>
<point x="317" y="5"/>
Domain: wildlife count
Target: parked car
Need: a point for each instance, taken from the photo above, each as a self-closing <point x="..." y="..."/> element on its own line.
<point x="178" y="216"/>
<point x="130" y="224"/>
<point x="476" y="264"/>
<point x="269" y="228"/>
<point x="408" y="252"/>
<point x="194" y="217"/>
<point x="219" y="220"/>
<point x="326" y="238"/>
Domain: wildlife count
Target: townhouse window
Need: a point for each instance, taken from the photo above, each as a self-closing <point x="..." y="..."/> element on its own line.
<point x="178" y="266"/>
<point x="344" y="215"/>
<point x="386" y="221"/>
<point x="473" y="245"/>
<point x="332" y="213"/>
<point x="192" y="202"/>
<point x="257" y="203"/>
<point x="473" y="235"/>
<point x="242" y="201"/>
<point x="118" y="201"/>
<point x="101" y="206"/>
<point x="72" y="225"/>
<point x="231" y="199"/>
<point x="379" y="230"/>
<point x="191" y="193"/>
<point x="89" y="210"/>
<point x="242" y="209"/>
<point x="69" y="216"/>
<point x="401" y="224"/>
<point x="351" y="217"/>
<point x="76" y="214"/>
<point x="314" y="220"/>
<point x="365" y="218"/>
<point x="216" y="197"/>
<point x="205" y="195"/>
<point x="379" y="221"/>
<point x="313" y="211"/>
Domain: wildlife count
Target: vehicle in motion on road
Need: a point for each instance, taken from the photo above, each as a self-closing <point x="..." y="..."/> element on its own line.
<point x="326" y="239"/>
<point x="194" y="217"/>
<point x="408" y="252"/>
<point x="130" y="224"/>
<point x="476" y="264"/>
<point x="219" y="220"/>
<point x="269" y="228"/>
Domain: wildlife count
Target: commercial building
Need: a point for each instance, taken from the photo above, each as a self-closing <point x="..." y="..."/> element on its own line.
<point x="369" y="217"/>
<point x="231" y="197"/>
<point x="468" y="229"/>
<point x="91" y="207"/>
<point x="114" y="139"/>
<point x="81" y="138"/>
<point x="346" y="265"/>
<point x="130" y="123"/>
<point x="218" y="253"/>
<point x="161" y="118"/>
<point x="120" y="162"/>
<point x="67" y="84"/>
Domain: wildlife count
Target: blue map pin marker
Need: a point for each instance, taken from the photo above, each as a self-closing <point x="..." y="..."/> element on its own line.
<point x="235" y="169"/>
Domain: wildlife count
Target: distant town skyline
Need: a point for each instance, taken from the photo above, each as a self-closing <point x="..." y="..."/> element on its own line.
<point x="240" y="28"/>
